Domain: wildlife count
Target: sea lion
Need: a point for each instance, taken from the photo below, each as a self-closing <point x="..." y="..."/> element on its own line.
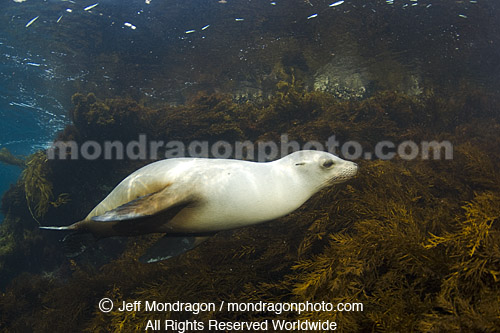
<point x="189" y="199"/>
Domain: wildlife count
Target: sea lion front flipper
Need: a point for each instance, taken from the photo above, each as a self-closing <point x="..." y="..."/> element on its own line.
<point x="171" y="246"/>
<point x="147" y="205"/>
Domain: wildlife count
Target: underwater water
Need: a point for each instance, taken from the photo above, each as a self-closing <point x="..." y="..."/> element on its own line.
<point x="409" y="244"/>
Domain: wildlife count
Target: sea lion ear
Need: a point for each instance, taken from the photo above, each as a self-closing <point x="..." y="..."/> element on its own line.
<point x="147" y="205"/>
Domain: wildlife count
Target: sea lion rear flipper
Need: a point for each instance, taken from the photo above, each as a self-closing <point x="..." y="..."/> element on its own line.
<point x="171" y="246"/>
<point x="147" y="205"/>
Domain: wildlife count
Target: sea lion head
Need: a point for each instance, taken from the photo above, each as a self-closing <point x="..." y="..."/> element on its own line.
<point x="321" y="168"/>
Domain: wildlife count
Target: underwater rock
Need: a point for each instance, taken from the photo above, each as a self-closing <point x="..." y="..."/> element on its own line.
<point x="411" y="85"/>
<point x="100" y="119"/>
<point x="343" y="79"/>
<point x="247" y="91"/>
<point x="347" y="79"/>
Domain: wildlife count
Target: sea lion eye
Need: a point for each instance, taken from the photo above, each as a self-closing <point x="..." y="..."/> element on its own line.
<point x="328" y="164"/>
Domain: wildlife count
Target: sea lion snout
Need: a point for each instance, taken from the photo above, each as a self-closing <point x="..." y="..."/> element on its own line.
<point x="345" y="171"/>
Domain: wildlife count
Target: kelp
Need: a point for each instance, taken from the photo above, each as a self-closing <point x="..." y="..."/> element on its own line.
<point x="108" y="119"/>
<point x="38" y="187"/>
<point x="415" y="241"/>
<point x="468" y="297"/>
<point x="8" y="158"/>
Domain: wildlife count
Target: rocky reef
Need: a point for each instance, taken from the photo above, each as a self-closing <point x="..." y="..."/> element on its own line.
<point x="415" y="241"/>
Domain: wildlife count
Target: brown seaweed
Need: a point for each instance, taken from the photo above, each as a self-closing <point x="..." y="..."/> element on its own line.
<point x="415" y="241"/>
